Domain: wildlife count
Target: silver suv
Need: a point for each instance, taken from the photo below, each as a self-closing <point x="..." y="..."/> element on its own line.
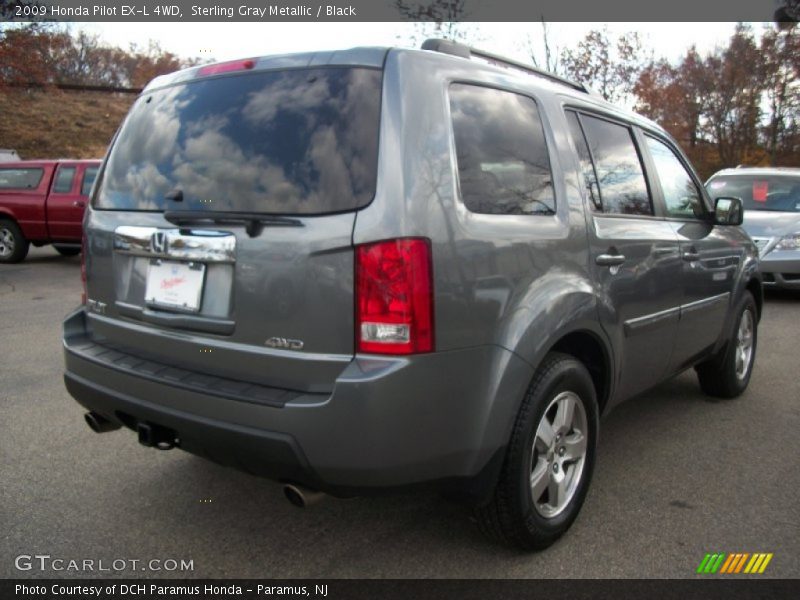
<point x="771" y="200"/>
<point x="378" y="268"/>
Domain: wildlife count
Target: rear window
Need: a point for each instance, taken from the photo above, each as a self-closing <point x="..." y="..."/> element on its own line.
<point x="20" y="179"/>
<point x="759" y="192"/>
<point x="301" y="141"/>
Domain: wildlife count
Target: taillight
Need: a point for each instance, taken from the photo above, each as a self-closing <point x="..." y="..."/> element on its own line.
<point x="226" y="67"/>
<point x="394" y="297"/>
<point x="84" y="294"/>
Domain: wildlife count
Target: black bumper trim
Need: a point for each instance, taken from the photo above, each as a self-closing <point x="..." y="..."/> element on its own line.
<point x="230" y="389"/>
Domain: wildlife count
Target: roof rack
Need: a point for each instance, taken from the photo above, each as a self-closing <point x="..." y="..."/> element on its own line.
<point x="464" y="51"/>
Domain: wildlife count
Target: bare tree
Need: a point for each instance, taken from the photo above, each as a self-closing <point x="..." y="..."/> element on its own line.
<point x="545" y="54"/>
<point x="732" y="87"/>
<point x="780" y="51"/>
<point x="788" y="13"/>
<point x="435" y="18"/>
<point x="609" y="68"/>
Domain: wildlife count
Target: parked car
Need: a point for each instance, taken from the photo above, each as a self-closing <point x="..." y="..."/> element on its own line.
<point x="8" y="155"/>
<point x="771" y="199"/>
<point x="482" y="259"/>
<point x="42" y="202"/>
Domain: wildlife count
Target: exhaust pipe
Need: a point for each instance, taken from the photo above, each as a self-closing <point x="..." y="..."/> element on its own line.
<point x="300" y="496"/>
<point x="99" y="423"/>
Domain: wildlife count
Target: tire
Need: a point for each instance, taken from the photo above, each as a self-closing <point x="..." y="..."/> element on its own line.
<point x="513" y="515"/>
<point x="728" y="374"/>
<point x="67" y="250"/>
<point x="13" y="245"/>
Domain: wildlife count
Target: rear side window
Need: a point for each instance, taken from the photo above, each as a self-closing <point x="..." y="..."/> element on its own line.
<point x="89" y="176"/>
<point x="503" y="164"/>
<point x="302" y="141"/>
<point x="623" y="189"/>
<point x="63" y="182"/>
<point x="587" y="168"/>
<point x="20" y="179"/>
<point x="681" y="196"/>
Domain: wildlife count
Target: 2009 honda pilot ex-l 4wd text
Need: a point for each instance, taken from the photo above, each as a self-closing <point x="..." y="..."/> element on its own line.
<point x="385" y="267"/>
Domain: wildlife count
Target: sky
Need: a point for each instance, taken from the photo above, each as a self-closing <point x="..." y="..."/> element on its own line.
<point x="224" y="41"/>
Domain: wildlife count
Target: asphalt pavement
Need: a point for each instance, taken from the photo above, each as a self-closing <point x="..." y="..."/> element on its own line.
<point x="677" y="477"/>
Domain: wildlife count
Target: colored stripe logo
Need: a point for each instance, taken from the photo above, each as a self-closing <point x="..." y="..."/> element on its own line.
<point x="734" y="563"/>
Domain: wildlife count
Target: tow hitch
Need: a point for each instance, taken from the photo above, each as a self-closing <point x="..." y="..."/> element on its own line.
<point x="156" y="436"/>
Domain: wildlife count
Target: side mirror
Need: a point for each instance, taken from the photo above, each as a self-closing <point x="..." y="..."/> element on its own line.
<point x="728" y="211"/>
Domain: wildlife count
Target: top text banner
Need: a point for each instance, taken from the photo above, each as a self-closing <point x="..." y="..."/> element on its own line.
<point x="397" y="10"/>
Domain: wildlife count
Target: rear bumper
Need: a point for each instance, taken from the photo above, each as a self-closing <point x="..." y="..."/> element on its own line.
<point x="442" y="418"/>
<point x="781" y="269"/>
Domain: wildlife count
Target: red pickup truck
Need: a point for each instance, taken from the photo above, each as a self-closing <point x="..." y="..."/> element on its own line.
<point x="42" y="202"/>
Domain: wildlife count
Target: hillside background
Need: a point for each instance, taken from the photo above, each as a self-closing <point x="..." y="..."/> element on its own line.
<point x="53" y="123"/>
<point x="39" y="119"/>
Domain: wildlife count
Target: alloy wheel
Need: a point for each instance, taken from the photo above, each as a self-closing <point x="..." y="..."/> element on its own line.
<point x="744" y="344"/>
<point x="558" y="455"/>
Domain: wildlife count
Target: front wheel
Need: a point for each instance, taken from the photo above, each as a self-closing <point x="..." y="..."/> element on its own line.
<point x="549" y="460"/>
<point x="727" y="375"/>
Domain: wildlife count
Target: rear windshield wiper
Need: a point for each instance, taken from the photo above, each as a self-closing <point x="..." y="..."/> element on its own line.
<point x="253" y="223"/>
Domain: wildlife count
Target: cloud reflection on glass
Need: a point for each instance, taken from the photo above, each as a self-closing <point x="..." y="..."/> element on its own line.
<point x="301" y="141"/>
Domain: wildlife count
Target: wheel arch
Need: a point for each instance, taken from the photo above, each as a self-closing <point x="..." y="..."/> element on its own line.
<point x="756" y="289"/>
<point x="6" y="215"/>
<point x="587" y="347"/>
<point x="567" y="322"/>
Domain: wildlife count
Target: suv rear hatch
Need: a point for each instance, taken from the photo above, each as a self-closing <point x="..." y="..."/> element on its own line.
<point x="220" y="236"/>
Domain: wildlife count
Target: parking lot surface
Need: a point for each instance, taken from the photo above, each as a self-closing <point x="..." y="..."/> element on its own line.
<point x="677" y="477"/>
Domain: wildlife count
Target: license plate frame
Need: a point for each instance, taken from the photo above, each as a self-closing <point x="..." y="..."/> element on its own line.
<point x="175" y="285"/>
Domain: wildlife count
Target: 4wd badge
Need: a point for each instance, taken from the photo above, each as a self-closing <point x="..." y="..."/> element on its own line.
<point x="284" y="343"/>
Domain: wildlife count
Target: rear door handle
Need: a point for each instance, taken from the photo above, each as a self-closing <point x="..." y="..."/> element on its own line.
<point x="79" y="204"/>
<point x="609" y="260"/>
<point x="691" y="256"/>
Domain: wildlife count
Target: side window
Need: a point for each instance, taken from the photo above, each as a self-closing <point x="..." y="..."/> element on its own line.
<point x="89" y="176"/>
<point x="681" y="195"/>
<point x="623" y="189"/>
<point x="64" y="177"/>
<point x="503" y="164"/>
<point x="20" y="179"/>
<point x="587" y="168"/>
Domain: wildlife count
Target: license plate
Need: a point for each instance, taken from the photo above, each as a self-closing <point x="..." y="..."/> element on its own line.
<point x="175" y="285"/>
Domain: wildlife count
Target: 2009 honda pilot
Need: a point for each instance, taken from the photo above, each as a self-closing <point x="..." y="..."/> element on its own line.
<point x="383" y="267"/>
